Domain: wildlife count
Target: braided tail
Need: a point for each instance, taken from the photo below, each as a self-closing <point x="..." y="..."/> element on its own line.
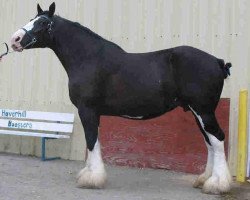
<point x="225" y="67"/>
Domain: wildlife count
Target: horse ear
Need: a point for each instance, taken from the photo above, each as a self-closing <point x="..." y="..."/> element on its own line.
<point x="52" y="9"/>
<point x="39" y="9"/>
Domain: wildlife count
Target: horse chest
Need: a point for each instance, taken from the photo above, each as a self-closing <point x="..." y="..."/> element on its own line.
<point x="83" y="91"/>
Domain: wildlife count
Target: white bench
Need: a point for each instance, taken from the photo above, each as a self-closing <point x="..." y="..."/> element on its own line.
<point x="47" y="125"/>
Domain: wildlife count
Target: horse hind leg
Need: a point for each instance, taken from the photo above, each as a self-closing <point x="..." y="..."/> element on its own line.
<point x="199" y="182"/>
<point x="216" y="179"/>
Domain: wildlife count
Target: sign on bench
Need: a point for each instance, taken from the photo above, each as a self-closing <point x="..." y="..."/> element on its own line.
<point x="47" y="125"/>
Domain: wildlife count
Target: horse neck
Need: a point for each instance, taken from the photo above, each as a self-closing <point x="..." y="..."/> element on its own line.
<point x="75" y="45"/>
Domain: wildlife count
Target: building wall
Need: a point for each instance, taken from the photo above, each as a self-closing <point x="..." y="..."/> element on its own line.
<point x="35" y="80"/>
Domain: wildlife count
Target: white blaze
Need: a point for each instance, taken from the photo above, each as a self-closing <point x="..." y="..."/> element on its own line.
<point x="30" y="25"/>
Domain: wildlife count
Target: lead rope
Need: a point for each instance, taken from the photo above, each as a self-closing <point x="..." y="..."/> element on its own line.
<point x="12" y="51"/>
<point x="7" y="51"/>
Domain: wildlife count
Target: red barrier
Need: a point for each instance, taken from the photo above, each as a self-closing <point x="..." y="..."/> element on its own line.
<point x="172" y="141"/>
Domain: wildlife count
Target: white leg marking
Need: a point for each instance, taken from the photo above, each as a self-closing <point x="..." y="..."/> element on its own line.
<point x="219" y="180"/>
<point x="199" y="118"/>
<point x="93" y="175"/>
<point x="210" y="158"/>
<point x="199" y="182"/>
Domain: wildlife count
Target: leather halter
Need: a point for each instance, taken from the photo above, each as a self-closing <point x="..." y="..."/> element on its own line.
<point x="32" y="37"/>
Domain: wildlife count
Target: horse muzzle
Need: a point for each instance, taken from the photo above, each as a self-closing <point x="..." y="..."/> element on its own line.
<point x="16" y="40"/>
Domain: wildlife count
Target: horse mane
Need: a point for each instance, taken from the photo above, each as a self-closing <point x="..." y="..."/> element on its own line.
<point x="88" y="31"/>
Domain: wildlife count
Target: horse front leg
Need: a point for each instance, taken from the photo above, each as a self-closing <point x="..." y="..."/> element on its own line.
<point x="93" y="175"/>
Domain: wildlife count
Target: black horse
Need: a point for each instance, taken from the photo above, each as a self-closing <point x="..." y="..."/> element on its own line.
<point x="106" y="80"/>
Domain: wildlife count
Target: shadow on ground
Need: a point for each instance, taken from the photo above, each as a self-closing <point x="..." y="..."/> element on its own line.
<point x="239" y="191"/>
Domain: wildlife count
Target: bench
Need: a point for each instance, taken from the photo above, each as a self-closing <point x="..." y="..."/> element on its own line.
<point x="47" y="125"/>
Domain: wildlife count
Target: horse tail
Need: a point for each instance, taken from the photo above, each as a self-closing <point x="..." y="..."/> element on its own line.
<point x="225" y="67"/>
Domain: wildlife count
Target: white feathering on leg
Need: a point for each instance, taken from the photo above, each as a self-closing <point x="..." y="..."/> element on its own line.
<point x="94" y="174"/>
<point x="220" y="180"/>
<point x="209" y="168"/>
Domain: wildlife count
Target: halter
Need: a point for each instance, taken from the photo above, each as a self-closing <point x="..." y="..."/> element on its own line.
<point x="33" y="38"/>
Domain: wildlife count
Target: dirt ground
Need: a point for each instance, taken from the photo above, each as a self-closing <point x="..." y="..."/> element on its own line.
<point x="28" y="178"/>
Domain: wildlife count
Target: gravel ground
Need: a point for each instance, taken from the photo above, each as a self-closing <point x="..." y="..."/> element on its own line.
<point x="28" y="178"/>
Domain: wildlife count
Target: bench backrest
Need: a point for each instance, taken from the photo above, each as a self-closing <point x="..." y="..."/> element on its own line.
<point x="36" y="121"/>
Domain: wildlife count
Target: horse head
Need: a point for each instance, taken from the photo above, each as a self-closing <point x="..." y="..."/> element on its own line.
<point x="37" y="33"/>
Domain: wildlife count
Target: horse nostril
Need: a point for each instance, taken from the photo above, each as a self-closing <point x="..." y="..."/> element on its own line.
<point x="13" y="46"/>
<point x="17" y="39"/>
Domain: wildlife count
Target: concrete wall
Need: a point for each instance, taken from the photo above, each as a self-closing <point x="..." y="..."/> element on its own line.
<point x="35" y="80"/>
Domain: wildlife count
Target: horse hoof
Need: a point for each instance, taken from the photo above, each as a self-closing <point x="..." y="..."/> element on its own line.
<point x="216" y="185"/>
<point x="199" y="182"/>
<point x="88" y="178"/>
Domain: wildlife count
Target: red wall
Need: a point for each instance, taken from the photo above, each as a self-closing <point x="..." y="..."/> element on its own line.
<point x="172" y="141"/>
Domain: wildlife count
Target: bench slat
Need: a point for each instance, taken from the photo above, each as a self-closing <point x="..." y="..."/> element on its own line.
<point x="36" y="115"/>
<point x="20" y="133"/>
<point x="31" y="125"/>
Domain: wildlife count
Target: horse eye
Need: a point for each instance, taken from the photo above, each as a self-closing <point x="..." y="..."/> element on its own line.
<point x="31" y="20"/>
<point x="42" y="22"/>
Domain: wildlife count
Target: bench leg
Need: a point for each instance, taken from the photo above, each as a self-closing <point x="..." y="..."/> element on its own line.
<point x="43" y="150"/>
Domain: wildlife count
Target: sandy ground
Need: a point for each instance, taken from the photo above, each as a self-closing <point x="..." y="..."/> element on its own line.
<point x="28" y="178"/>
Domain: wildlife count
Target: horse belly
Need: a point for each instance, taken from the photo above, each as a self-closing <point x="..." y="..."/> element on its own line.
<point x="138" y="107"/>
